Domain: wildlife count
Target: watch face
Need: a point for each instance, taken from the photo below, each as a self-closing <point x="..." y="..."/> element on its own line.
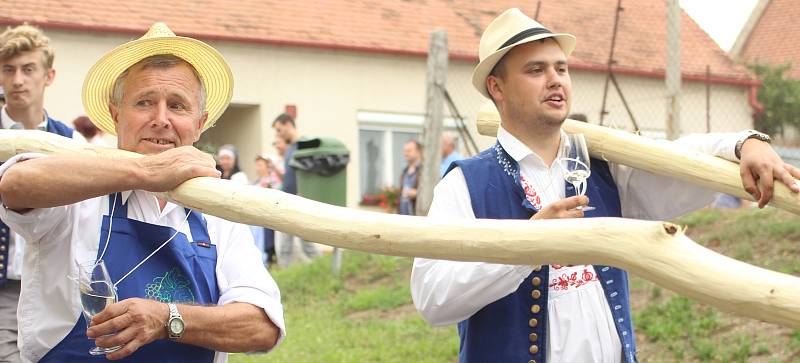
<point x="176" y="326"/>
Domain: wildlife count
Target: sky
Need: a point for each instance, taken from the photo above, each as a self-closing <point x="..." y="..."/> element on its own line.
<point x="721" y="19"/>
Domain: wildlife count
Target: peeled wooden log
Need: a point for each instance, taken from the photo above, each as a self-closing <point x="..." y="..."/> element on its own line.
<point x="657" y="251"/>
<point x="621" y="147"/>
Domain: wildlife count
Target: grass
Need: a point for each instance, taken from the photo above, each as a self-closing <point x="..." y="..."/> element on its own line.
<point x="367" y="316"/>
<point x="364" y="316"/>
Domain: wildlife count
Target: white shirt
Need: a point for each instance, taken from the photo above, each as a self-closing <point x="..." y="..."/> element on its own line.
<point x="50" y="304"/>
<point x="17" y="244"/>
<point x="447" y="292"/>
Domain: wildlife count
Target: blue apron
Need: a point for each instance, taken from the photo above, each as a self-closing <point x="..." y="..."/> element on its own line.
<point x="181" y="272"/>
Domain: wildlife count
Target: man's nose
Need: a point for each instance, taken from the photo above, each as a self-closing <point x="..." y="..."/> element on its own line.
<point x="161" y="118"/>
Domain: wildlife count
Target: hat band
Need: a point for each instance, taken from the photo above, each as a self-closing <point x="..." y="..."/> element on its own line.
<point x="524" y="34"/>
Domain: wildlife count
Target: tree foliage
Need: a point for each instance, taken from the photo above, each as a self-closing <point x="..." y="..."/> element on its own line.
<point x="780" y="97"/>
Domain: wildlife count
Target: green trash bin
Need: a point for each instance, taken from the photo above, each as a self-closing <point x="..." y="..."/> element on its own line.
<point x="321" y="168"/>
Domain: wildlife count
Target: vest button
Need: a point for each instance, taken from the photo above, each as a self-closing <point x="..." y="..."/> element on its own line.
<point x="2" y="266"/>
<point x="2" y="276"/>
<point x="534" y="349"/>
<point x="535" y="309"/>
<point x="2" y="248"/>
<point x="537" y="268"/>
<point x="533" y="337"/>
<point x="533" y="323"/>
<point x="532" y="361"/>
<point x="2" y="258"/>
<point x="3" y="239"/>
<point x="4" y="230"/>
<point x="536" y="281"/>
<point x="536" y="294"/>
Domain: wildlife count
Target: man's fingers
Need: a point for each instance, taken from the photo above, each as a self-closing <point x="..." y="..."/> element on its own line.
<point x="574" y="202"/>
<point x="112" y="326"/>
<point x="794" y="174"/>
<point x="766" y="185"/>
<point x="749" y="182"/>
<point x="786" y="177"/>
<point x="110" y="312"/>
<point x="129" y="348"/>
<point x="121" y="337"/>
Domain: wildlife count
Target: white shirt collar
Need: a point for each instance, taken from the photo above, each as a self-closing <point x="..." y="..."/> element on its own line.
<point x="8" y="122"/>
<point x="143" y="194"/>
<point x="518" y="150"/>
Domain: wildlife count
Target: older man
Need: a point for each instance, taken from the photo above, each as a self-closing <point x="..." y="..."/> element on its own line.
<point x="552" y="313"/>
<point x="189" y="286"/>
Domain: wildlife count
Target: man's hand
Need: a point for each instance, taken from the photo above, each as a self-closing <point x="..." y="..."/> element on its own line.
<point x="165" y="171"/>
<point x="564" y="208"/>
<point x="133" y="322"/>
<point x="760" y="166"/>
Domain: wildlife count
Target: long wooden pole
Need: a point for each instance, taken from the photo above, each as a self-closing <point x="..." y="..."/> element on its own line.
<point x="434" y="120"/>
<point x="656" y="251"/>
<point x="658" y="157"/>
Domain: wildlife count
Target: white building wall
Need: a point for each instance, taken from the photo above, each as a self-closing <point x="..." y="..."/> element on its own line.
<point x="330" y="88"/>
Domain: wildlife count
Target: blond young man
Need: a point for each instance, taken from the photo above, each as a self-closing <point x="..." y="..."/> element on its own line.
<point x="26" y="58"/>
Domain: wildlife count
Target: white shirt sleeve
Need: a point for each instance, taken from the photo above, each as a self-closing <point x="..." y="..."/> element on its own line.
<point x="447" y="292"/>
<point x="241" y="276"/>
<point x="644" y="195"/>
<point x="35" y="223"/>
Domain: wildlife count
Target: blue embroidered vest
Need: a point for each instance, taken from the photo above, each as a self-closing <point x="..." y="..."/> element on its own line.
<point x="514" y="328"/>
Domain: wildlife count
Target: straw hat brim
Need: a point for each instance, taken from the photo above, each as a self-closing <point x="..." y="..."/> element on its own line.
<point x="484" y="68"/>
<point x="212" y="68"/>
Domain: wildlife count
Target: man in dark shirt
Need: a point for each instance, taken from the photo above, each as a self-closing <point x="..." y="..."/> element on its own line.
<point x="284" y="127"/>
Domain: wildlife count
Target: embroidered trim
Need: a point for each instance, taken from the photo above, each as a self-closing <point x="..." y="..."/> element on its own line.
<point x="566" y="282"/>
<point x="531" y="194"/>
<point x="507" y="165"/>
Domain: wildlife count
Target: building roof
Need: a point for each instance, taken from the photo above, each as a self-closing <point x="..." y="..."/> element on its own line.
<point x="774" y="37"/>
<point x="399" y="27"/>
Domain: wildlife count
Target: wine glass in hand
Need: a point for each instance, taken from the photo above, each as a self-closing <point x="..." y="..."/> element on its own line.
<point x="97" y="291"/>
<point x="574" y="162"/>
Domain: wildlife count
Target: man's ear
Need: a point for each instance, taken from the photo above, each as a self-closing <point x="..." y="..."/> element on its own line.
<point x="495" y="87"/>
<point x="114" y="111"/>
<point x="51" y="76"/>
<point x="200" y="123"/>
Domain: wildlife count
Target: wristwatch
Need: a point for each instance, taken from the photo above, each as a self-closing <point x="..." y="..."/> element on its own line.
<point x="750" y="134"/>
<point x="175" y="325"/>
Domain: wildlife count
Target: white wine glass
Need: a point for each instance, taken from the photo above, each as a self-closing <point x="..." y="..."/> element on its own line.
<point x="575" y="164"/>
<point x="97" y="291"/>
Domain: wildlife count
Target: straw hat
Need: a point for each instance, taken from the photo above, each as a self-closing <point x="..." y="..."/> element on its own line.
<point x="214" y="72"/>
<point x="509" y="29"/>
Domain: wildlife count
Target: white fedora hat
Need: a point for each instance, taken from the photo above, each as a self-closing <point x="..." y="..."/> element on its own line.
<point x="509" y="29"/>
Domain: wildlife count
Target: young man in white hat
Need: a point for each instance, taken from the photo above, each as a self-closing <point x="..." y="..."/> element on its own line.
<point x="552" y="313"/>
<point x="26" y="58"/>
<point x="189" y="287"/>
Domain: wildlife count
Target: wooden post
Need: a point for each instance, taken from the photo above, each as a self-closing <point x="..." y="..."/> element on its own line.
<point x="673" y="78"/>
<point x="434" y="117"/>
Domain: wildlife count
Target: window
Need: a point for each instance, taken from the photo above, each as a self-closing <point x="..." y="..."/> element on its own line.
<point x="381" y="137"/>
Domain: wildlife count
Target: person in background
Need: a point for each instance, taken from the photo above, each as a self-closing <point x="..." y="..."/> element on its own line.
<point x="27" y="70"/>
<point x="89" y="131"/>
<point x="285" y="129"/>
<point x="267" y="176"/>
<point x="449" y="152"/>
<point x="409" y="178"/>
<point x="229" y="165"/>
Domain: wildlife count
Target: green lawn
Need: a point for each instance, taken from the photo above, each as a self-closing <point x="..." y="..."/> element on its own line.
<point x="367" y="315"/>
